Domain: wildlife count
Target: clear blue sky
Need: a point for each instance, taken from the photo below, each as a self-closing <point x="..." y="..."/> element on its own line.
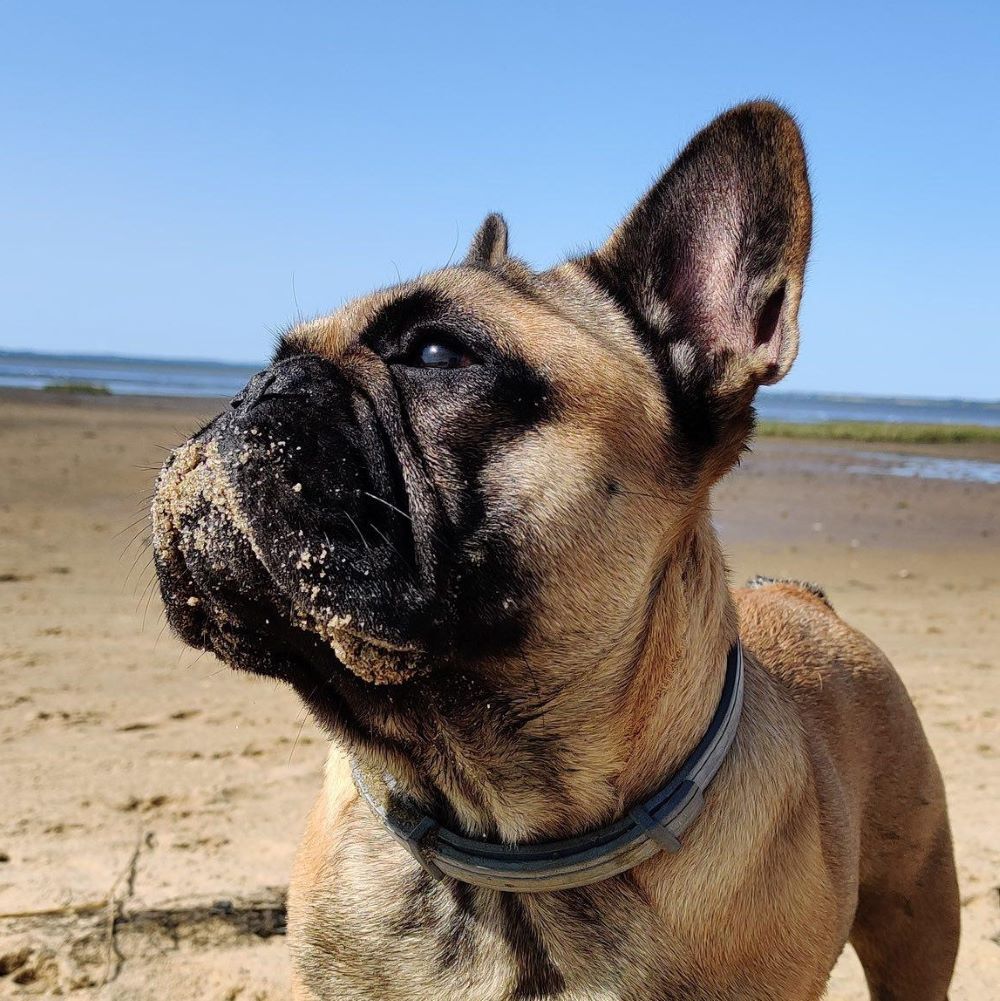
<point x="166" y="169"/>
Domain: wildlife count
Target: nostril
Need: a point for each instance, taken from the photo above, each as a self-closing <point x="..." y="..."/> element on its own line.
<point x="261" y="390"/>
<point x="254" y="391"/>
<point x="286" y="380"/>
<point x="277" y="396"/>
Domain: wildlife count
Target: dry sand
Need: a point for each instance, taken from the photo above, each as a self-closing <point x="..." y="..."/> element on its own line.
<point x="141" y="780"/>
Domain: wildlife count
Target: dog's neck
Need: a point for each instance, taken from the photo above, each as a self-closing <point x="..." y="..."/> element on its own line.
<point x="593" y="749"/>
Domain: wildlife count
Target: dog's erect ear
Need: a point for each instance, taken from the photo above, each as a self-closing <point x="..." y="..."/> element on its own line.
<point x="709" y="265"/>
<point x="489" y="245"/>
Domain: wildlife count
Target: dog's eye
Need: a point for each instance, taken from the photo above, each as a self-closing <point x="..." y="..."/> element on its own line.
<point x="438" y="351"/>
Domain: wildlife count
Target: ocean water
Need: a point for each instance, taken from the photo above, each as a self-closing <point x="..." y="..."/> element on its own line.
<point x="153" y="377"/>
<point x="141" y="376"/>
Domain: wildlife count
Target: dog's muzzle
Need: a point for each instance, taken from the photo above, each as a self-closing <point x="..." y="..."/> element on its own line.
<point x="284" y="513"/>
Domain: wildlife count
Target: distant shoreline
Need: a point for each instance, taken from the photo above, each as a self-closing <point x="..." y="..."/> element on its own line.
<point x="186" y="377"/>
<point x="137" y="401"/>
<point x="896" y="433"/>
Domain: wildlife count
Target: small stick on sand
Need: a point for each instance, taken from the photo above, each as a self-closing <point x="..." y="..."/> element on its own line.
<point x="113" y="957"/>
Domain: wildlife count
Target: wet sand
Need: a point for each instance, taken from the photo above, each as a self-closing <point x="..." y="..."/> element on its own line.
<point x="144" y="780"/>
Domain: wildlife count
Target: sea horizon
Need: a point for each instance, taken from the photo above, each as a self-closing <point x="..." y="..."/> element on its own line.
<point x="155" y="376"/>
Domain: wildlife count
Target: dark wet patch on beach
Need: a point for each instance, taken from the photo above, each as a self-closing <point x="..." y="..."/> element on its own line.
<point x="928" y="467"/>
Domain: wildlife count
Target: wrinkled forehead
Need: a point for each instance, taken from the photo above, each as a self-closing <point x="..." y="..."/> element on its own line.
<point x="453" y="294"/>
<point x="556" y="323"/>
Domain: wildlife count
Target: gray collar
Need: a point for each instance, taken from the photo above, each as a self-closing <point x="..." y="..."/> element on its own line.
<point x="653" y="826"/>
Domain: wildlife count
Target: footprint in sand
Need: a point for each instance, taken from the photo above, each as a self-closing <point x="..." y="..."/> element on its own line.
<point x="137" y="804"/>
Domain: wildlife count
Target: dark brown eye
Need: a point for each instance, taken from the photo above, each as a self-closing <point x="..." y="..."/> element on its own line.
<point x="436" y="351"/>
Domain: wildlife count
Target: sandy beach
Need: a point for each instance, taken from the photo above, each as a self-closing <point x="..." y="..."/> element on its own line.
<point x="153" y="799"/>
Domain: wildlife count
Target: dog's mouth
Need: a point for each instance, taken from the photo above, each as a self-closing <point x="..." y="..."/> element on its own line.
<point x="239" y="578"/>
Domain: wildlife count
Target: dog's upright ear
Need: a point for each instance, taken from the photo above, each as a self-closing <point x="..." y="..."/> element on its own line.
<point x="489" y="246"/>
<point x="709" y="265"/>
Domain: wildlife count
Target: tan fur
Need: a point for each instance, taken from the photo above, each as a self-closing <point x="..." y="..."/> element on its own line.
<point x="808" y="778"/>
<point x="826" y="757"/>
<point x="827" y="822"/>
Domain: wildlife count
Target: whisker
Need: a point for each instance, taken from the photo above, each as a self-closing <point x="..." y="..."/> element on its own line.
<point x="638" y="493"/>
<point x="295" y="299"/>
<point x="392" y="546"/>
<point x="158" y="635"/>
<point x="149" y="598"/>
<point x="142" y="517"/>
<point x="364" y="541"/>
<point x="141" y="535"/>
<point x="388" y="504"/>
<point x="399" y="511"/>
<point x="138" y="556"/>
<point x="541" y="706"/>
<point x="302" y="723"/>
<point x="458" y="236"/>
<point x="149" y="583"/>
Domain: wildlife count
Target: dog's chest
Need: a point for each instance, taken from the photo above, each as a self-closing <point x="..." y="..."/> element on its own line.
<point x="366" y="922"/>
<point x="415" y="939"/>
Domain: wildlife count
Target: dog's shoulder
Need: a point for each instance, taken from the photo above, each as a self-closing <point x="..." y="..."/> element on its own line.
<point x="791" y="629"/>
<point x="790" y="586"/>
<point x="853" y="709"/>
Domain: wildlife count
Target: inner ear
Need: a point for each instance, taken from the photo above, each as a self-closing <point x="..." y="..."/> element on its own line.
<point x="489" y="246"/>
<point x="770" y="317"/>
<point x="709" y="265"/>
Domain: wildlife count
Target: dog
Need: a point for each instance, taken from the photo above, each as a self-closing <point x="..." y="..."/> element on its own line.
<point x="467" y="518"/>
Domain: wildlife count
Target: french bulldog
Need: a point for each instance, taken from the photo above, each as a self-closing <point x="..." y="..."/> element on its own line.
<point x="467" y="518"/>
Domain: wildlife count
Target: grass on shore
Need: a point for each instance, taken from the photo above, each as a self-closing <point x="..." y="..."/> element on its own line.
<point x="871" y="431"/>
<point x="87" y="388"/>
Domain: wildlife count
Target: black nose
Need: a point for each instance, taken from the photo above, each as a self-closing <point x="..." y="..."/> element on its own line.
<point x="288" y="379"/>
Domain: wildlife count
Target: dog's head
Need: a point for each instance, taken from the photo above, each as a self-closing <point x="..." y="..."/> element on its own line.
<point x="449" y="503"/>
